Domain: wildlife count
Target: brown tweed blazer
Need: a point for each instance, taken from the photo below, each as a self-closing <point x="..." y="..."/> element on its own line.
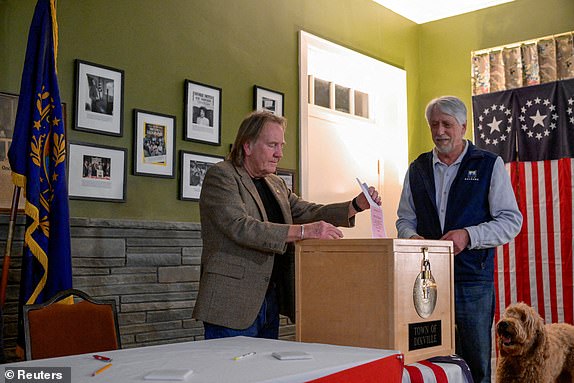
<point x="240" y="245"/>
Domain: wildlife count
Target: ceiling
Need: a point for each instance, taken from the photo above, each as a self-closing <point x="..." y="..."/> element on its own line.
<point x="423" y="11"/>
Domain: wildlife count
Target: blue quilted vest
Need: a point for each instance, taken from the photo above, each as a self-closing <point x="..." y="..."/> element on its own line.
<point x="467" y="206"/>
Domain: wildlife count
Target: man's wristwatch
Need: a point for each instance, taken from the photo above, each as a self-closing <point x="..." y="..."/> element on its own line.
<point x="356" y="205"/>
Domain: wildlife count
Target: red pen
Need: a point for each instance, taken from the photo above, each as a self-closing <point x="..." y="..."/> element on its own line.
<point x="103" y="358"/>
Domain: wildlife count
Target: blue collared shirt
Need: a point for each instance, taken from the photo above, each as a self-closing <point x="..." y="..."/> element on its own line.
<point x="507" y="219"/>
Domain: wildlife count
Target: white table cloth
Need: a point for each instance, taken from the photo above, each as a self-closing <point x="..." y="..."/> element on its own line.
<point x="212" y="361"/>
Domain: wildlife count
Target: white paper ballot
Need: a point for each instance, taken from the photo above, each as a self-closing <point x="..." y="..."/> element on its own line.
<point x="176" y="374"/>
<point x="377" y="220"/>
<point x="292" y="355"/>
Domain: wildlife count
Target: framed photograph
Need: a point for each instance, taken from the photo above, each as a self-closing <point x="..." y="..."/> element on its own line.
<point x="202" y="113"/>
<point x="8" y="108"/>
<point x="289" y="178"/>
<point x="97" y="172"/>
<point x="193" y="168"/>
<point x="154" y="144"/>
<point x="99" y="99"/>
<point x="267" y="99"/>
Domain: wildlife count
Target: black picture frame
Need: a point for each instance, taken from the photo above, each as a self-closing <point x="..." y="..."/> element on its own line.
<point x="269" y="100"/>
<point x="98" y="99"/>
<point x="193" y="167"/>
<point x="154" y="144"/>
<point x="8" y="109"/>
<point x="288" y="176"/>
<point x="96" y="172"/>
<point x="202" y="113"/>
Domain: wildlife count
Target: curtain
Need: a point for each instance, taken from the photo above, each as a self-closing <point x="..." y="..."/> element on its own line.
<point x="523" y="64"/>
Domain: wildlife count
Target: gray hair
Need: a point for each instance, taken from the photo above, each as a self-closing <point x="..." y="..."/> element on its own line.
<point x="249" y="130"/>
<point x="451" y="105"/>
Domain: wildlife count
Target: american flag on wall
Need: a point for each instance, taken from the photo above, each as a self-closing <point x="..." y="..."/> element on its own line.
<point x="532" y="129"/>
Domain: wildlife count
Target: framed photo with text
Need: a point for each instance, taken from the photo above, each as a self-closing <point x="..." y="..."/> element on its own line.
<point x="288" y="176"/>
<point x="202" y="113"/>
<point x="99" y="99"/>
<point x="97" y="172"/>
<point x="154" y="144"/>
<point x="193" y="168"/>
<point x="267" y="99"/>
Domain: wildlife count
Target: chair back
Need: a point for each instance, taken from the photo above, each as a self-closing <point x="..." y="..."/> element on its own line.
<point x="53" y="328"/>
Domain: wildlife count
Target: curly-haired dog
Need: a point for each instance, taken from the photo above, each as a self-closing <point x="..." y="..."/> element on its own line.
<point x="531" y="351"/>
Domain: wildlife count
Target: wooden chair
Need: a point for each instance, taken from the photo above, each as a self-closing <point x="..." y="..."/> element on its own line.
<point x="53" y="329"/>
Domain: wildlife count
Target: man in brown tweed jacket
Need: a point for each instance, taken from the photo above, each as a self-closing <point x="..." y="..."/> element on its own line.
<point x="249" y="220"/>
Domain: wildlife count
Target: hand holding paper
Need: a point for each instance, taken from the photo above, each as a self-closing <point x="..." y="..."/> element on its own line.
<point x="368" y="195"/>
<point x="377" y="219"/>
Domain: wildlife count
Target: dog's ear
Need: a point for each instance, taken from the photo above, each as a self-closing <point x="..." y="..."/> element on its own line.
<point x="534" y="324"/>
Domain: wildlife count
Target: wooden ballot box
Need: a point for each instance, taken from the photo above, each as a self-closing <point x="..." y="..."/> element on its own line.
<point x="368" y="293"/>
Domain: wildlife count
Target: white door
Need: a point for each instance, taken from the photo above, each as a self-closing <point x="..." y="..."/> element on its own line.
<point x="338" y="147"/>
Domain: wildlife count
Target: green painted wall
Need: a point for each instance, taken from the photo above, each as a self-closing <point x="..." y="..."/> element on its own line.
<point x="229" y="44"/>
<point x="445" y="47"/>
<point x="234" y="44"/>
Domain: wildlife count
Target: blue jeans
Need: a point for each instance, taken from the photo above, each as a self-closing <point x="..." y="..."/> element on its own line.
<point x="474" y="312"/>
<point x="266" y="324"/>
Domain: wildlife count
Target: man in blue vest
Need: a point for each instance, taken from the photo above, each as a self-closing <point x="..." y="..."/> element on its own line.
<point x="460" y="193"/>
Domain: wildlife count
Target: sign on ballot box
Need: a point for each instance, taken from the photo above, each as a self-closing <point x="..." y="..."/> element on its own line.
<point x="394" y="294"/>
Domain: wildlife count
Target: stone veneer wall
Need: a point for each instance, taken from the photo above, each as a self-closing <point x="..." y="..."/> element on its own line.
<point x="150" y="268"/>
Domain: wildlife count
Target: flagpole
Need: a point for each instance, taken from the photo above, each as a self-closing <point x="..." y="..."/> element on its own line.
<point x="8" y="249"/>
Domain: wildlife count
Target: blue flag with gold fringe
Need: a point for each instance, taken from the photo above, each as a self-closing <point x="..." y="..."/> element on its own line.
<point x="38" y="160"/>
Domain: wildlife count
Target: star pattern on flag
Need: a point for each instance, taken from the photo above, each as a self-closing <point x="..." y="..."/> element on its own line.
<point x="542" y="124"/>
<point x="538" y="118"/>
<point x="495" y="124"/>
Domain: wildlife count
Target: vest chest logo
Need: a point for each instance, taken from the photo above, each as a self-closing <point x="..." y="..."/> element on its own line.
<point x="471" y="175"/>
